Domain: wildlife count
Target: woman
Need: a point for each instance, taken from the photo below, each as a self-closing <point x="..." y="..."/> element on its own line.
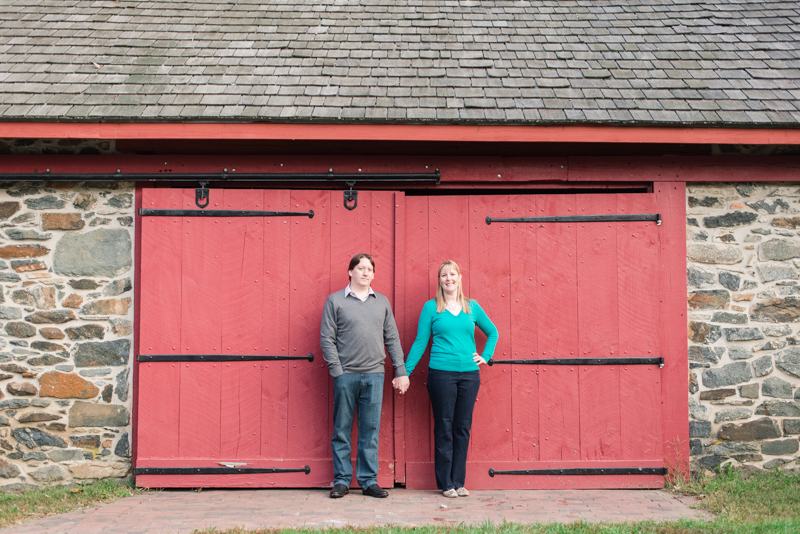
<point x="453" y="379"/>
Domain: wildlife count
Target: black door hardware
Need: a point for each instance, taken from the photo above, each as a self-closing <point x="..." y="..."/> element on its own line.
<point x="217" y="470"/>
<point x="216" y="358"/>
<point x="222" y="213"/>
<point x="586" y="471"/>
<point x="350" y="196"/>
<point x="584" y="361"/>
<point x="581" y="218"/>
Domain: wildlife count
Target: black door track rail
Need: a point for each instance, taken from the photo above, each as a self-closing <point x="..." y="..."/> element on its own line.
<point x="204" y="178"/>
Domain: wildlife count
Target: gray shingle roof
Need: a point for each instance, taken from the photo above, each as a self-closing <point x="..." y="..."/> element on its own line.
<point x="618" y="61"/>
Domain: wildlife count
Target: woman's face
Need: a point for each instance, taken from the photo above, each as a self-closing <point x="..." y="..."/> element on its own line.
<point x="449" y="279"/>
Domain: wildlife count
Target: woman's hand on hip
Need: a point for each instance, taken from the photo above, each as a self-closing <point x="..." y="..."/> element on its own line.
<point x="477" y="358"/>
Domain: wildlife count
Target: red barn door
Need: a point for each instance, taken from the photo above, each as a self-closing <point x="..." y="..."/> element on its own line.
<point x="218" y="294"/>
<point x="556" y="291"/>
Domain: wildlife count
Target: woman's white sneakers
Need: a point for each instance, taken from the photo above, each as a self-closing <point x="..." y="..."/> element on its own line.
<point x="451" y="493"/>
<point x="462" y="492"/>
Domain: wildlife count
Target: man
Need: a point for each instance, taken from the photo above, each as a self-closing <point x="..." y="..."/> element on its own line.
<point x="356" y="325"/>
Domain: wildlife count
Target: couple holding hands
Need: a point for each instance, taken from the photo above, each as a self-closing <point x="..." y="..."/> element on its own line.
<point x="357" y="324"/>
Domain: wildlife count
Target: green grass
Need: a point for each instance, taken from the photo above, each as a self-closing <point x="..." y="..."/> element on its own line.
<point x="646" y="527"/>
<point x="765" y="504"/>
<point x="15" y="507"/>
<point x="766" y="497"/>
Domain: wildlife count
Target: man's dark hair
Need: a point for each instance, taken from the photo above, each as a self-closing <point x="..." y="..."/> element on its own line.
<point x="357" y="259"/>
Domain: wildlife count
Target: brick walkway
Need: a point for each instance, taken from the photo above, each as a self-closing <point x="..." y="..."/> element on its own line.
<point x="179" y="511"/>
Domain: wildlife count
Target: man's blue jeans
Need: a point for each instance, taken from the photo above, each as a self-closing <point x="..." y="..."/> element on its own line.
<point x="363" y="391"/>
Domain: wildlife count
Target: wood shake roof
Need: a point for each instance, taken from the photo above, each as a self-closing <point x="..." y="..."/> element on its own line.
<point x="645" y="62"/>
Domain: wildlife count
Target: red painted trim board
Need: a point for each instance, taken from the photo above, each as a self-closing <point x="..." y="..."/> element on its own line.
<point x="402" y="132"/>
<point x="137" y="291"/>
<point x="672" y="314"/>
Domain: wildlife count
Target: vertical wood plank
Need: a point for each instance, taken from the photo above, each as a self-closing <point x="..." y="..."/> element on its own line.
<point x="201" y="331"/>
<point x="275" y="328"/>
<point x="160" y="327"/>
<point x="671" y="202"/>
<point x="598" y="330"/>
<point x="640" y="389"/>
<point x="309" y="283"/>
<point x="241" y="304"/>
<point x="382" y="248"/>
<point x="523" y="330"/>
<point x="489" y="251"/>
<point x="402" y="327"/>
<point x="559" y="402"/>
<point x="417" y="291"/>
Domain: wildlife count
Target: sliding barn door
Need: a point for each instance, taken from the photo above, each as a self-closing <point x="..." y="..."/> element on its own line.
<point x="232" y="387"/>
<point x="575" y="399"/>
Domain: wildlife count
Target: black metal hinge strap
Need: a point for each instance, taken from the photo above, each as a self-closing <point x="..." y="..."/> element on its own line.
<point x="586" y="471"/>
<point x="223" y="213"/>
<point x="217" y="470"/>
<point x="584" y="361"/>
<point x="581" y="218"/>
<point x="217" y="358"/>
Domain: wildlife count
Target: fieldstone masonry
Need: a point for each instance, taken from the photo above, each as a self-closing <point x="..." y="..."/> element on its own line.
<point x="743" y="248"/>
<point x="66" y="331"/>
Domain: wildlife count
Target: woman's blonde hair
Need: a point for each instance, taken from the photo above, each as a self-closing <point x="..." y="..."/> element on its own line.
<point x="440" y="302"/>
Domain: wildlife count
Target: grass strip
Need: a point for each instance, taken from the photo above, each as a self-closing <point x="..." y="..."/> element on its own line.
<point x="768" y="503"/>
<point x="644" y="527"/>
<point x="765" y="497"/>
<point x="33" y="503"/>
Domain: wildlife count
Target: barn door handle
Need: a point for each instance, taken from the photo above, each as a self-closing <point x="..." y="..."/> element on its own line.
<point x="201" y="193"/>
<point x="351" y="196"/>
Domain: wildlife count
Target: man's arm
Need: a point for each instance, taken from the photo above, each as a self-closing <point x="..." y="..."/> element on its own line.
<point x="327" y="339"/>
<point x="391" y="339"/>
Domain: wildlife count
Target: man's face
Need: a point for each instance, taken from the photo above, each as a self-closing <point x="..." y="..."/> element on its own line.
<point x="361" y="276"/>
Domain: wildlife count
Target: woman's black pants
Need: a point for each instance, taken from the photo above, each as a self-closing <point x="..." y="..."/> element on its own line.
<point x="453" y="397"/>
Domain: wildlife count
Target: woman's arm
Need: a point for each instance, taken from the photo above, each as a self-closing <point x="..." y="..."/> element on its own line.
<point x="488" y="328"/>
<point x="423" y="335"/>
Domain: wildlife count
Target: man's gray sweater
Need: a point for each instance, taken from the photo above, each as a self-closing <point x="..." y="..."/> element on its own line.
<point x="353" y="334"/>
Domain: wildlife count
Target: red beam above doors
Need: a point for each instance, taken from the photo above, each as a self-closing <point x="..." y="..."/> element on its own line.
<point x="402" y="132"/>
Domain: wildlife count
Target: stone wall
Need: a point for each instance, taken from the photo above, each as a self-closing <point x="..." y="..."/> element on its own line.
<point x="743" y="254"/>
<point x="66" y="331"/>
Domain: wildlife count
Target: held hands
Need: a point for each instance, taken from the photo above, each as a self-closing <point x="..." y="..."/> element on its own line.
<point x="401" y="384"/>
<point x="477" y="358"/>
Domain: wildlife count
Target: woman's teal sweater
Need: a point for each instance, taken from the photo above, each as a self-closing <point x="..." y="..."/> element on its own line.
<point x="453" y="338"/>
